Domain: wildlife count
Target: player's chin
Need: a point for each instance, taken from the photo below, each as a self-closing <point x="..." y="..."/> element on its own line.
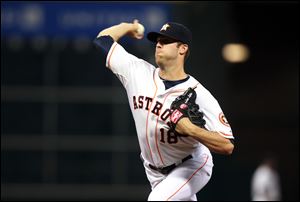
<point x="159" y="62"/>
<point x="159" y="58"/>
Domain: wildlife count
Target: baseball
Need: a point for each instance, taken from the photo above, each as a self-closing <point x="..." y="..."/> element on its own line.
<point x="140" y="29"/>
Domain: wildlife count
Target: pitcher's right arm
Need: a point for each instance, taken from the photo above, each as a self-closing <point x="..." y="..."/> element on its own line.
<point x="118" y="31"/>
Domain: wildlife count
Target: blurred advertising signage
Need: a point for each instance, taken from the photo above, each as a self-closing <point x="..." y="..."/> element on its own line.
<point x="71" y="19"/>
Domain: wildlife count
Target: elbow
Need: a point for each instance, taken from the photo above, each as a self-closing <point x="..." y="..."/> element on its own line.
<point x="228" y="149"/>
<point x="225" y="149"/>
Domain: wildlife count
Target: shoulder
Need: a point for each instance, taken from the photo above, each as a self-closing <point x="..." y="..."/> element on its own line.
<point x="199" y="88"/>
<point x="118" y="55"/>
<point x="204" y="96"/>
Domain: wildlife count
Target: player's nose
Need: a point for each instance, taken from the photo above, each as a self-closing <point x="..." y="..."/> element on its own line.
<point x="158" y="45"/>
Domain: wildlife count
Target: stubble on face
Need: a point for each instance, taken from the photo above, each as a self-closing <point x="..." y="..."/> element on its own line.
<point x="164" y="55"/>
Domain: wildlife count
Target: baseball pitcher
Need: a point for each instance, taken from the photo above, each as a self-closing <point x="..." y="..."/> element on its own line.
<point x="178" y="121"/>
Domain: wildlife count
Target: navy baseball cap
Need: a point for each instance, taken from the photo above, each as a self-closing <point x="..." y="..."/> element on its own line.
<point x="173" y="30"/>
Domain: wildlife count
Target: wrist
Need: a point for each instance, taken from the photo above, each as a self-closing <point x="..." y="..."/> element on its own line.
<point x="128" y="27"/>
<point x="185" y="126"/>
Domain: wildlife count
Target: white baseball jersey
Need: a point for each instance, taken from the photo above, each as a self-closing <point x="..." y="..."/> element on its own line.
<point x="149" y="102"/>
<point x="265" y="184"/>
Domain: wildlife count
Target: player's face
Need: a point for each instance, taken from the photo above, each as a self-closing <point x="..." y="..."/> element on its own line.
<point x="166" y="49"/>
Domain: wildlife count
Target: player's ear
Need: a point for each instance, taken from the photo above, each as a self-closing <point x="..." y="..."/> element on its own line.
<point x="183" y="48"/>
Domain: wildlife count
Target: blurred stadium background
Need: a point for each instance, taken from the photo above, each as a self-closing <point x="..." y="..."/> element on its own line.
<point x="67" y="132"/>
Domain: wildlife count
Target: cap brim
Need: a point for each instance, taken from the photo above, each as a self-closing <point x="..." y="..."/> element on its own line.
<point x="152" y="36"/>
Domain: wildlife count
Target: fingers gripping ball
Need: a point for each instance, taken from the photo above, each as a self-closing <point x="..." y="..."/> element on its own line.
<point x="141" y="29"/>
<point x="185" y="106"/>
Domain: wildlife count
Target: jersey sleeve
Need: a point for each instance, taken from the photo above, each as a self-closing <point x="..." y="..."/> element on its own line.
<point x="103" y="43"/>
<point x="123" y="64"/>
<point x="213" y="114"/>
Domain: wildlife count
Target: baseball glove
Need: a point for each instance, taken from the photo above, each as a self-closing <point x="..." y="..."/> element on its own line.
<point x="185" y="106"/>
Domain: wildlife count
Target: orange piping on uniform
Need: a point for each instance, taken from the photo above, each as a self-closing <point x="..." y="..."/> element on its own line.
<point x="165" y="122"/>
<point x="111" y="54"/>
<point x="229" y="135"/>
<point x="189" y="178"/>
<point x="148" y="117"/>
<point x="196" y="85"/>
